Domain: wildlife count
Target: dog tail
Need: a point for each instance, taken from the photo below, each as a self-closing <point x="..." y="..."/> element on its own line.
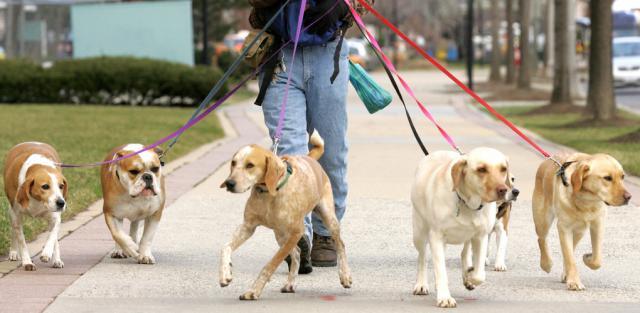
<point x="317" y="145"/>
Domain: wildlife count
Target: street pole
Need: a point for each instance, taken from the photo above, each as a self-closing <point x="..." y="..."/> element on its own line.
<point x="205" y="35"/>
<point x="470" y="52"/>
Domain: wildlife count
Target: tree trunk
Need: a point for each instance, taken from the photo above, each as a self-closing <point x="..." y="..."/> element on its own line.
<point x="601" y="97"/>
<point x="526" y="62"/>
<point x="511" y="71"/>
<point x="496" y="56"/>
<point x="561" y="94"/>
<point x="571" y="42"/>
<point x="548" y="38"/>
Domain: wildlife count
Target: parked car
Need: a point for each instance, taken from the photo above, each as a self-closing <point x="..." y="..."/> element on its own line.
<point x="2" y="55"/>
<point x="626" y="61"/>
<point x="358" y="52"/>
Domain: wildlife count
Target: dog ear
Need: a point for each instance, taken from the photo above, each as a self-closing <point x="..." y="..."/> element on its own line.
<point x="578" y="176"/>
<point x="272" y="175"/>
<point x="65" y="188"/>
<point x="23" y="193"/>
<point x="158" y="151"/>
<point x="457" y="173"/>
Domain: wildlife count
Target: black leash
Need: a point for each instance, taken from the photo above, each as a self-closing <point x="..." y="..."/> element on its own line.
<point x="395" y="86"/>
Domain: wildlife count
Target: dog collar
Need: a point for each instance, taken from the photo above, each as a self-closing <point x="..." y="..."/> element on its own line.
<point x="561" y="172"/>
<point x="465" y="203"/>
<point x="287" y="174"/>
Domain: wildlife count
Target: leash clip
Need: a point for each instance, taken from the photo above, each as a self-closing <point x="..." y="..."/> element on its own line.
<point x="276" y="143"/>
<point x="561" y="172"/>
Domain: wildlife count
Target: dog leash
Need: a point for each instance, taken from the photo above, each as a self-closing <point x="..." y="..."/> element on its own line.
<point x="404" y="84"/>
<point x="227" y="74"/>
<point x="283" y="107"/>
<point x="452" y="77"/>
<point x="202" y="115"/>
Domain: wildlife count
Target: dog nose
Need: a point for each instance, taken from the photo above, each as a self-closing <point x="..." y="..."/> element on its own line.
<point x="60" y="204"/>
<point x="627" y="197"/>
<point x="230" y="184"/>
<point x="147" y="177"/>
<point x="515" y="192"/>
<point x="502" y="191"/>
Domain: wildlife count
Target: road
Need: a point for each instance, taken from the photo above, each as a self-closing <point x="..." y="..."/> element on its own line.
<point x="629" y="98"/>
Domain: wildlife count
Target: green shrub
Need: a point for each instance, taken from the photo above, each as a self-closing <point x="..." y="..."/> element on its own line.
<point x="226" y="59"/>
<point x="107" y="80"/>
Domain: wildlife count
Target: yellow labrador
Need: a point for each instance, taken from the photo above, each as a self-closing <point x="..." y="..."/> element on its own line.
<point x="593" y="181"/>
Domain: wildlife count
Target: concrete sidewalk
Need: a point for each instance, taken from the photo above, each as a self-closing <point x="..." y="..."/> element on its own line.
<point x="377" y="233"/>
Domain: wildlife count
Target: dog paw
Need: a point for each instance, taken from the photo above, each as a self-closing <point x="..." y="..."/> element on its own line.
<point x="146" y="259"/>
<point x="500" y="268"/>
<point x="58" y="264"/>
<point x="575" y="286"/>
<point x="288" y="288"/>
<point x="45" y="258"/>
<point x="588" y="260"/>
<point x="13" y="256"/>
<point x="29" y="267"/>
<point x="118" y="254"/>
<point x="346" y="280"/>
<point x="468" y="285"/>
<point x="475" y="279"/>
<point x="546" y="265"/>
<point x="447" y="303"/>
<point x="249" y="295"/>
<point x="226" y="276"/>
<point x="420" y="290"/>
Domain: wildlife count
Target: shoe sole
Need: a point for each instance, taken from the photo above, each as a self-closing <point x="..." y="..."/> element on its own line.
<point x="324" y="263"/>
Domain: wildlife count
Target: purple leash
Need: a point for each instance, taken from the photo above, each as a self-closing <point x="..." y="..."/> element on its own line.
<point x="283" y="107"/>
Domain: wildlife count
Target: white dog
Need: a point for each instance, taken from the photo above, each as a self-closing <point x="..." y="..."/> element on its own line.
<point x="454" y="201"/>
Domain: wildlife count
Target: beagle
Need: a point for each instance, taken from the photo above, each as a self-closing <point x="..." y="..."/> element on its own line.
<point x="283" y="191"/>
<point x="579" y="203"/>
<point x="35" y="186"/>
<point x="133" y="188"/>
<point x="454" y="201"/>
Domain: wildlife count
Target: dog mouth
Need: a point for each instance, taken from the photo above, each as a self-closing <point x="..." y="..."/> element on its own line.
<point x="147" y="192"/>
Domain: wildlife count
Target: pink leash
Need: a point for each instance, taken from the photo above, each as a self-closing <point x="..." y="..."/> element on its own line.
<point x="389" y="64"/>
<point x="278" y="134"/>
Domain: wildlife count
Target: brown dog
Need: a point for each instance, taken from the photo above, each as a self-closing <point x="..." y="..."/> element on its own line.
<point x="133" y="188"/>
<point x="595" y="181"/>
<point x="35" y="186"/>
<point x="283" y="192"/>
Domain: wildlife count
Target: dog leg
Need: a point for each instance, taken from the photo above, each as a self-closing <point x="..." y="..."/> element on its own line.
<point x="420" y="242"/>
<point x="594" y="259"/>
<point x="570" y="271"/>
<point x="118" y="251"/>
<point x="57" y="261"/>
<point x="543" y="218"/>
<point x="54" y="230"/>
<point x="293" y="269"/>
<point x="267" y="270"/>
<point x="133" y="231"/>
<point x="150" y="227"/>
<point x="14" y="254"/>
<point x="23" y="250"/>
<point x="444" y="299"/>
<point x="129" y="248"/>
<point x="327" y="211"/>
<point x="479" y="247"/>
<point x="242" y="233"/>
<point x="501" y="253"/>
<point x="467" y="265"/>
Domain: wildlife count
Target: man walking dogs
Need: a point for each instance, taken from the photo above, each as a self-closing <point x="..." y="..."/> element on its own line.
<point x="316" y="100"/>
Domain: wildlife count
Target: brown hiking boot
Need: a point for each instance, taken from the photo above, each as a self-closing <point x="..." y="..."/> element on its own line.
<point x="323" y="252"/>
<point x="305" y="256"/>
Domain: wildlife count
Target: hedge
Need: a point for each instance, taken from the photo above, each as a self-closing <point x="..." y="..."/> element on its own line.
<point x="106" y="80"/>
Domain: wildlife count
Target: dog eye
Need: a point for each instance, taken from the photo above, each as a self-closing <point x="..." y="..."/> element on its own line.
<point x="249" y="165"/>
<point x="608" y="178"/>
<point x="233" y="163"/>
<point x="155" y="169"/>
<point x="61" y="186"/>
<point x="134" y="172"/>
<point x="503" y="169"/>
<point x="513" y="179"/>
<point x="45" y="187"/>
<point x="482" y="170"/>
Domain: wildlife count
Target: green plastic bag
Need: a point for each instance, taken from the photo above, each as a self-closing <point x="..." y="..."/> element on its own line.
<point x="375" y="98"/>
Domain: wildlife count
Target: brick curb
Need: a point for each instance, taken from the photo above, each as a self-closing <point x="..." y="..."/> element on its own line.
<point x="86" y="239"/>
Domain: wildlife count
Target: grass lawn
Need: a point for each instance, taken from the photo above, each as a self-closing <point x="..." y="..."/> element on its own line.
<point x="83" y="134"/>
<point x="590" y="139"/>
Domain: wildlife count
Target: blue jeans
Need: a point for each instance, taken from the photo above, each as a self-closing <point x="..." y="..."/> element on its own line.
<point x="313" y="103"/>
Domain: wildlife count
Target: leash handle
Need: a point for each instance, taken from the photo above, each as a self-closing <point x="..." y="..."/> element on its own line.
<point x="404" y="84"/>
<point x="283" y="106"/>
<point x="453" y="78"/>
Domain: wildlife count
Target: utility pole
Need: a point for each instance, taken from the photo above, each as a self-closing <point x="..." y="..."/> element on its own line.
<point x="469" y="39"/>
<point x="205" y="35"/>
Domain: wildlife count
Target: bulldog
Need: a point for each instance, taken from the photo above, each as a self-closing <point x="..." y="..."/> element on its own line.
<point x="133" y="188"/>
<point x="35" y="186"/>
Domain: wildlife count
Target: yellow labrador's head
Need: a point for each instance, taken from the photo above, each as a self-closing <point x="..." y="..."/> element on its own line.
<point x="254" y="165"/>
<point x="141" y="174"/>
<point x="601" y="178"/>
<point x="482" y="174"/>
<point x="44" y="189"/>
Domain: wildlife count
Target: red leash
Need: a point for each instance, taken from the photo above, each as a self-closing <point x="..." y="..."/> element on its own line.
<point x="464" y="87"/>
